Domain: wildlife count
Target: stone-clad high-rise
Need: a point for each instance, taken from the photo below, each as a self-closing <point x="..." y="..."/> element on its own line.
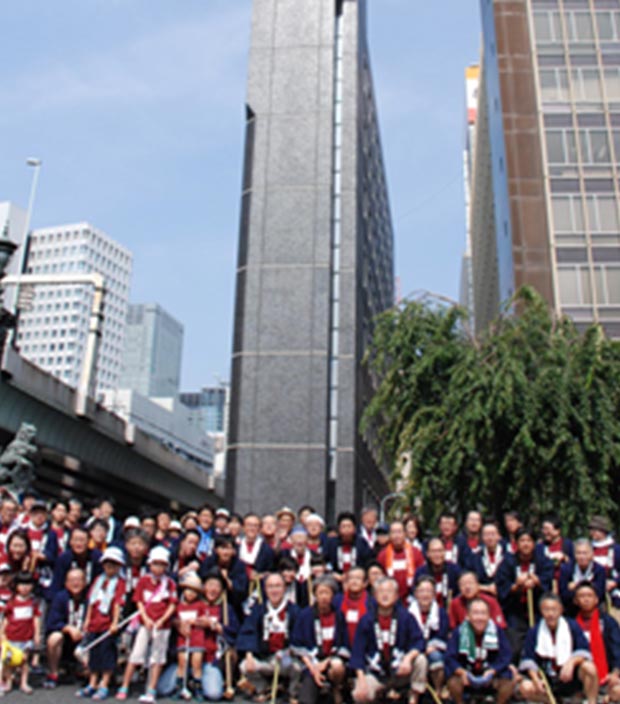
<point x="315" y="262"/>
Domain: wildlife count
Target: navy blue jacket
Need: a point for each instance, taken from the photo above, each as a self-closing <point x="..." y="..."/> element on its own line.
<point x="506" y="576"/>
<point x="366" y="655"/>
<point x="567" y="549"/>
<point x="303" y="638"/>
<point x="530" y="660"/>
<point x="611" y="636"/>
<point x="437" y="637"/>
<point x="58" y="613"/>
<point x="477" y="566"/>
<point x="250" y="638"/>
<point x="236" y="574"/>
<point x="363" y="556"/>
<point x="497" y="660"/>
<point x="265" y="560"/>
<point x="598" y="581"/>
<point x="452" y="572"/>
<point x="67" y="560"/>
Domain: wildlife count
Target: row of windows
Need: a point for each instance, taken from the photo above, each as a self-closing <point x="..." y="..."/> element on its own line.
<point x="586" y="85"/>
<point x="594" y="146"/>
<point x="579" y="26"/>
<point x="602" y="211"/>
<point x="52" y="347"/>
<point x="101" y="243"/>
<point x="576" y="285"/>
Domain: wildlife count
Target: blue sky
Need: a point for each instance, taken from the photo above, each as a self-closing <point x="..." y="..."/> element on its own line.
<point x="136" y="109"/>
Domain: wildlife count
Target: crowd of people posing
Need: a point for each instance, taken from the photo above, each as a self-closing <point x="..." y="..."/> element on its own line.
<point x="214" y="603"/>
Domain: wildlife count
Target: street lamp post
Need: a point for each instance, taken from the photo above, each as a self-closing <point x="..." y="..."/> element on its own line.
<point x="36" y="166"/>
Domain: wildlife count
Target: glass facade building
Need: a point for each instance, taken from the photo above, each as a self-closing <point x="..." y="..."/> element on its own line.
<point x="551" y="99"/>
<point x="152" y="352"/>
<point x="207" y="408"/>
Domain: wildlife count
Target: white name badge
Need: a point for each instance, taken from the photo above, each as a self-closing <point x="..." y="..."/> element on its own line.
<point x="399" y="565"/>
<point x="328" y="633"/>
<point x="188" y="615"/>
<point x="21" y="613"/>
<point x="352" y="616"/>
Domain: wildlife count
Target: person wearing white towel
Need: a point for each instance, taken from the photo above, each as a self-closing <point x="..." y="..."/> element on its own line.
<point x="557" y="649"/>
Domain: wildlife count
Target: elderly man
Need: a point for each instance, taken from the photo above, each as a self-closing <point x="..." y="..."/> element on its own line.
<point x="582" y="569"/>
<point x="433" y="622"/>
<point x="388" y="653"/>
<point x="478" y="657"/>
<point x="264" y="640"/>
<point x="556" y="650"/>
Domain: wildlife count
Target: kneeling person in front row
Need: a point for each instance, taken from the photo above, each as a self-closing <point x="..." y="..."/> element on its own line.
<point x="557" y="650"/>
<point x="388" y="653"/>
<point x="478" y="657"/>
<point x="321" y="640"/>
<point x="264" y="638"/>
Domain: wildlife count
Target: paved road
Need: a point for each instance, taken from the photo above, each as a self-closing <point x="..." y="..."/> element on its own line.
<point x="66" y="694"/>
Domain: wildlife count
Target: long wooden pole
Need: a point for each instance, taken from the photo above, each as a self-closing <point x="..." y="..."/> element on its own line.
<point x="230" y="690"/>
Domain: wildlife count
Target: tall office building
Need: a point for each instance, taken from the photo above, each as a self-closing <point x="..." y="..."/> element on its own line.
<point x="53" y="334"/>
<point x="546" y="187"/>
<point x="466" y="293"/>
<point x="13" y="226"/>
<point x="151" y="361"/>
<point x="208" y="408"/>
<point x="315" y="262"/>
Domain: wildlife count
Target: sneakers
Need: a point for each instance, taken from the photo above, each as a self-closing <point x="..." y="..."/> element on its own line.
<point x="121" y="694"/>
<point x="148" y="697"/>
<point x="101" y="694"/>
<point x="50" y="682"/>
<point x="85" y="692"/>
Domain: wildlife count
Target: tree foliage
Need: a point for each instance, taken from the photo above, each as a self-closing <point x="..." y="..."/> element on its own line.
<point x="526" y="417"/>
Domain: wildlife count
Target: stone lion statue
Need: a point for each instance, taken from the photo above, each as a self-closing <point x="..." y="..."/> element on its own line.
<point x="16" y="464"/>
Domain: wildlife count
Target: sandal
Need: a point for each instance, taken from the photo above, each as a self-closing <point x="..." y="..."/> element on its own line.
<point x="122" y="693"/>
<point x="101" y="694"/>
<point x="26" y="689"/>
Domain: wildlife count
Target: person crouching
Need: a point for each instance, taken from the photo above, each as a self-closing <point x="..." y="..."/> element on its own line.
<point x="388" y="653"/>
<point x="478" y="657"/>
<point x="321" y="640"/>
<point x="264" y="638"/>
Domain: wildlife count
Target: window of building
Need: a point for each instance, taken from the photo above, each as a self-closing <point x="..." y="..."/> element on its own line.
<point x="568" y="214"/>
<point x="554" y="85"/>
<point x="579" y="26"/>
<point x="594" y="146"/>
<point x="575" y="283"/>
<point x="586" y="85"/>
<point x="547" y="26"/>
<point x="602" y="213"/>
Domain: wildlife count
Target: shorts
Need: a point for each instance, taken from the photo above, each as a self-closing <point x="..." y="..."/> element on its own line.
<point x="157" y="644"/>
<point x="25" y="646"/>
<point x="103" y="656"/>
<point x="567" y="689"/>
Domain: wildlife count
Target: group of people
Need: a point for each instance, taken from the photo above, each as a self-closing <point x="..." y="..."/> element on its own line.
<point x="361" y="611"/>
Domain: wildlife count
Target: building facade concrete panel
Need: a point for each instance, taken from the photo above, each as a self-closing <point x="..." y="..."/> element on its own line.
<point x="315" y="260"/>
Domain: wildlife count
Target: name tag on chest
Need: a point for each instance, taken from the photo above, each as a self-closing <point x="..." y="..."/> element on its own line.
<point x="22" y="613"/>
<point x="188" y="615"/>
<point x="399" y="565"/>
<point x="328" y="633"/>
<point x="352" y="616"/>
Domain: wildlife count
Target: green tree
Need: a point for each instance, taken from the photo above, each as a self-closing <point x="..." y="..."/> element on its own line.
<point x="526" y="417"/>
